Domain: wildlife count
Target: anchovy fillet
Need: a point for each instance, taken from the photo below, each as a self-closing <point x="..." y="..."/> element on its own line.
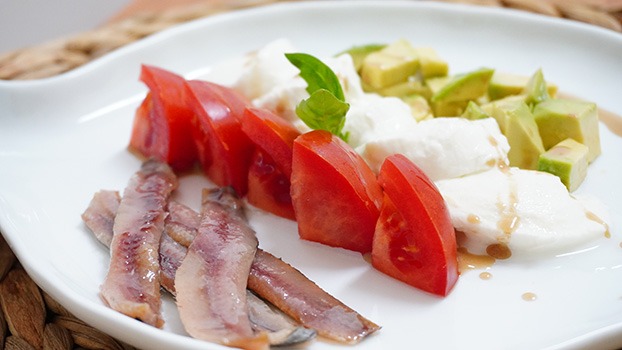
<point x="211" y="281"/>
<point x="132" y="285"/>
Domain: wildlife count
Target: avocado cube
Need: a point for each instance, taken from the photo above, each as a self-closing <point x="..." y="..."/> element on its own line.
<point x="410" y="87"/>
<point x="449" y="109"/>
<point x="430" y="64"/>
<point x="464" y="87"/>
<point x="536" y="90"/>
<point x="568" y="161"/>
<point x="473" y="112"/>
<point x="559" y="119"/>
<point x="505" y="84"/>
<point x="358" y="53"/>
<point x="518" y="125"/>
<point x="419" y="107"/>
<point x="498" y="109"/>
<point x="391" y="65"/>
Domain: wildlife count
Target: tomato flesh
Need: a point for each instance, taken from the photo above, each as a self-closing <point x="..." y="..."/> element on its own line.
<point x="414" y="240"/>
<point x="162" y="127"/>
<point x="224" y="151"/>
<point x="268" y="187"/>
<point x="271" y="166"/>
<point x="335" y="195"/>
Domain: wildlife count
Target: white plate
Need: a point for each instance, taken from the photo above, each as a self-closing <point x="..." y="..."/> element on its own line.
<point x="63" y="138"/>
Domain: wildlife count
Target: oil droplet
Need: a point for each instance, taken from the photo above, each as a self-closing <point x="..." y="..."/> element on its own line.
<point x="468" y="261"/>
<point x="473" y="219"/>
<point x="485" y="275"/>
<point x="529" y="296"/>
<point x="499" y="251"/>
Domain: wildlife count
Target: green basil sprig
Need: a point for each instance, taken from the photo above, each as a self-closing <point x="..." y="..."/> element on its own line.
<point x="326" y="106"/>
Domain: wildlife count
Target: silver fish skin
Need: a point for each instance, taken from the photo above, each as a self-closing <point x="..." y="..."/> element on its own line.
<point x="293" y="293"/>
<point x="132" y="285"/>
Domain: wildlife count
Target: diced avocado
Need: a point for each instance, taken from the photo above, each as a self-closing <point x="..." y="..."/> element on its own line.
<point x="449" y="109"/>
<point x="464" y="87"/>
<point x="559" y="119"/>
<point x="506" y="84"/>
<point x="389" y="66"/>
<point x="419" y="107"/>
<point x="518" y="125"/>
<point x="536" y="90"/>
<point x="410" y="87"/>
<point x="358" y="53"/>
<point x="497" y="109"/>
<point x="568" y="161"/>
<point x="436" y="84"/>
<point x="450" y="95"/>
<point x="431" y="65"/>
<point x="473" y="111"/>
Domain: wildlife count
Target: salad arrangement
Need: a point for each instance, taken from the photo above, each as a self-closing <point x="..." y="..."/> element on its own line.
<point x="311" y="146"/>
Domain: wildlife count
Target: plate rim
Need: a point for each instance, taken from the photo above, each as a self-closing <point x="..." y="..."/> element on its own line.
<point x="109" y="59"/>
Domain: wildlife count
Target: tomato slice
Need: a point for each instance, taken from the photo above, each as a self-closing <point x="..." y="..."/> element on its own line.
<point x="271" y="166"/>
<point x="335" y="194"/>
<point x="224" y="151"/>
<point x="163" y="122"/>
<point x="272" y="134"/>
<point x="414" y="240"/>
<point x="268" y="187"/>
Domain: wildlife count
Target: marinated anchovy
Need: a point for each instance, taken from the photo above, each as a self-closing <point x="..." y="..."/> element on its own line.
<point x="211" y="281"/>
<point x="181" y="223"/>
<point x="99" y="218"/>
<point x="99" y="215"/>
<point x="171" y="255"/>
<point x="281" y="329"/>
<point x="297" y="296"/>
<point x="132" y="285"/>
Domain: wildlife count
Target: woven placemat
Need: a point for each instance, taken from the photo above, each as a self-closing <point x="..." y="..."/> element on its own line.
<point x="30" y="319"/>
<point x="67" y="53"/>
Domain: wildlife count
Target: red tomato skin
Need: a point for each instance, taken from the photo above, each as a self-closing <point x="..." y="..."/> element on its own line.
<point x="162" y="127"/>
<point x="272" y="134"/>
<point x="335" y="194"/>
<point x="224" y="151"/>
<point x="414" y="241"/>
<point x="271" y="165"/>
<point x="268" y="187"/>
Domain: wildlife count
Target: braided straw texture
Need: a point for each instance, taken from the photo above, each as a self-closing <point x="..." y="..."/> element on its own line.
<point x="67" y="53"/>
<point x="30" y="319"/>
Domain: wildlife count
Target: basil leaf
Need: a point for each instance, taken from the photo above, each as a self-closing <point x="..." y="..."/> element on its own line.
<point x="324" y="111"/>
<point x="317" y="74"/>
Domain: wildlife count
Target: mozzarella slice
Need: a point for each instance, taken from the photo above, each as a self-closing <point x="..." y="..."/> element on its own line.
<point x="443" y="148"/>
<point x="527" y="211"/>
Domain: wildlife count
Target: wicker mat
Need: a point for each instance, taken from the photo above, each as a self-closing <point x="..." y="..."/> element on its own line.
<point x="30" y="319"/>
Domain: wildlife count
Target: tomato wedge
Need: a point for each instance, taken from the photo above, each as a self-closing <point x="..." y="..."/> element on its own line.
<point x="224" y="151"/>
<point x="271" y="165"/>
<point x="268" y="187"/>
<point x="335" y="194"/>
<point x="414" y="240"/>
<point x="163" y="122"/>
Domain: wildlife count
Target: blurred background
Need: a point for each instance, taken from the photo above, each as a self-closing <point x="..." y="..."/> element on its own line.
<point x="30" y="22"/>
